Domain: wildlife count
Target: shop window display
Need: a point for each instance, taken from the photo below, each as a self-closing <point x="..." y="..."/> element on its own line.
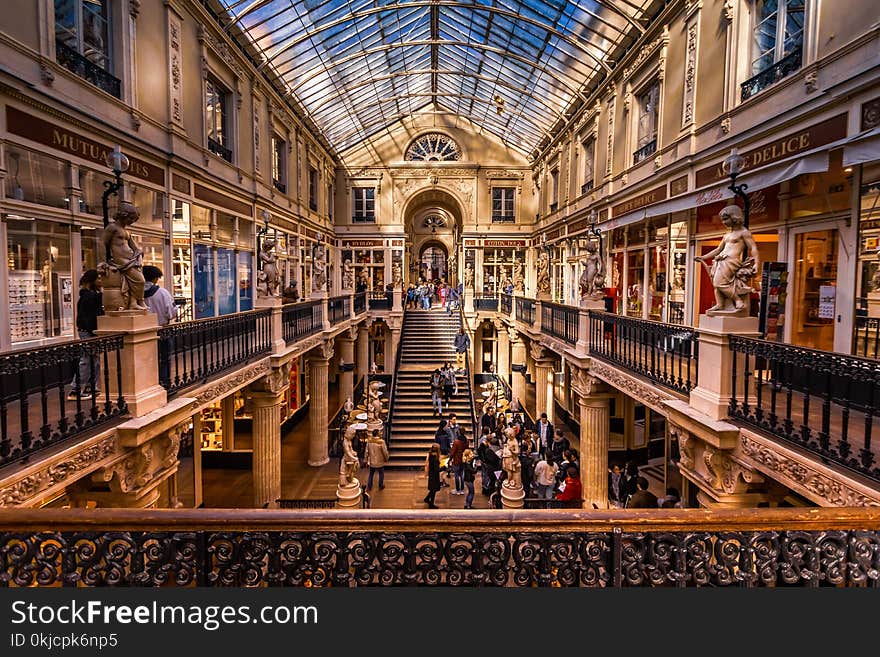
<point x="498" y="267"/>
<point x="36" y="178"/>
<point x="203" y="281"/>
<point x="245" y="284"/>
<point x="227" y="291"/>
<point x="181" y="260"/>
<point x="868" y="299"/>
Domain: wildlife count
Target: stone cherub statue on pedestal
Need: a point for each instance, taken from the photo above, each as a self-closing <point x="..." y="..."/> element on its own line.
<point x="510" y="463"/>
<point x="349" y="464"/>
<point x="319" y="269"/>
<point x="734" y="264"/>
<point x="543" y="282"/>
<point x="396" y="276"/>
<point x="268" y="279"/>
<point x="347" y="275"/>
<point x="469" y="276"/>
<point x="122" y="274"/>
<point x="592" y="281"/>
<point x="519" y="281"/>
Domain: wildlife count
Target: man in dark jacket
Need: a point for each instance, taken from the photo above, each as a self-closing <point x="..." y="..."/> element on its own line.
<point x="89" y="307"/>
<point x="558" y="446"/>
<point x="642" y="498"/>
<point x="544" y="429"/>
<point x="462" y="344"/>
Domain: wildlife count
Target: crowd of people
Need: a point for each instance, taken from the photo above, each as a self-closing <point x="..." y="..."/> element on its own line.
<point x="427" y="293"/>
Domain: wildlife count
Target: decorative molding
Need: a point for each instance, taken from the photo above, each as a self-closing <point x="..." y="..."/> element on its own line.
<point x="646" y="52"/>
<point x="685" y="445"/>
<point x="583" y="383"/>
<point x="322" y="352"/>
<point x="135" y="120"/>
<point x="609" y="153"/>
<point x="56" y="472"/>
<point x="275" y="381"/>
<point x="134" y="8"/>
<point x="46" y="74"/>
<point x="658" y="161"/>
<point x="803" y="476"/>
<point x="690" y="73"/>
<point x="537" y="351"/>
<point x="258" y="111"/>
<point x="727" y="9"/>
<point x="870" y="114"/>
<point x="642" y="392"/>
<point x="811" y="80"/>
<point x="725" y="125"/>
<point x="232" y="383"/>
<point x="222" y="51"/>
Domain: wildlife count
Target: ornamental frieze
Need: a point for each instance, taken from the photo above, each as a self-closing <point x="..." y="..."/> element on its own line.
<point x="644" y="393"/>
<point x="239" y="379"/>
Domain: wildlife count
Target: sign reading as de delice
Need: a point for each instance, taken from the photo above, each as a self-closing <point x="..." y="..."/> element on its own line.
<point x="65" y="140"/>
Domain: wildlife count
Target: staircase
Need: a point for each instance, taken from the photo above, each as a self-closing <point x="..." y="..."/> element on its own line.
<point x="426" y="343"/>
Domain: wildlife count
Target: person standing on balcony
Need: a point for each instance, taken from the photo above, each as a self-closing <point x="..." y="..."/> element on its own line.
<point x="89" y="307"/>
<point x="617" y="494"/>
<point x="642" y="498"/>
<point x="571" y="489"/>
<point x="545" y="433"/>
<point x="161" y="303"/>
<point x="559" y="445"/>
<point x="462" y="345"/>
<point x="377" y="457"/>
<point x="432" y="470"/>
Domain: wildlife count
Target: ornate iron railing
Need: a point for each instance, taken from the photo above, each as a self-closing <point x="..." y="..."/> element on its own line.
<point x="192" y="352"/>
<point x="219" y="149"/>
<point x="54" y="393"/>
<point x="867" y="342"/>
<point x="486" y="302"/>
<point x="506" y="303"/>
<point x="280" y="186"/>
<point x="663" y="353"/>
<point x="587" y="186"/>
<point x="87" y="70"/>
<point x="525" y="310"/>
<point x="475" y="548"/>
<point x="300" y="320"/>
<point x="676" y="312"/>
<point x="503" y="218"/>
<point x="338" y="309"/>
<point x="770" y="75"/>
<point x="392" y="389"/>
<point x="824" y="402"/>
<point x="360" y="303"/>
<point x="560" y="321"/>
<point x="645" y="151"/>
<point x="380" y="301"/>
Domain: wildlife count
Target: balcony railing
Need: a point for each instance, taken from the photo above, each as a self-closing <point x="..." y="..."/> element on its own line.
<point x="560" y="321"/>
<point x="338" y="309"/>
<point x="300" y="320"/>
<point x="313" y="205"/>
<point x="360" y="303"/>
<point x="663" y="353"/>
<point x="380" y="301"/>
<point x="87" y="70"/>
<point x="486" y="302"/>
<point x="525" y="310"/>
<point x="53" y="393"/>
<point x="280" y="186"/>
<point x="506" y="303"/>
<point x="824" y="402"/>
<point x="192" y="352"/>
<point x="867" y="342"/>
<point x="219" y="149"/>
<point x="477" y="548"/>
<point x="770" y="75"/>
<point x="361" y="218"/>
<point x="587" y="186"/>
<point x="503" y="219"/>
<point x="645" y="151"/>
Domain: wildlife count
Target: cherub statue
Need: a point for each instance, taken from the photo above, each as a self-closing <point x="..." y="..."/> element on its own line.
<point x="396" y="276"/>
<point x="678" y="278"/>
<point x="348" y="406"/>
<point x="268" y="279"/>
<point x="543" y="282"/>
<point x="124" y="260"/>
<point x="469" y="276"/>
<point x="519" y="281"/>
<point x="319" y="269"/>
<point x="347" y="275"/>
<point x="349" y="464"/>
<point x="734" y="264"/>
<point x="592" y="281"/>
<point x="510" y="462"/>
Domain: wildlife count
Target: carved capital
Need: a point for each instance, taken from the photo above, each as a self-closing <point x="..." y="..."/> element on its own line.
<point x="275" y="381"/>
<point x="537" y="351"/>
<point x="323" y="352"/>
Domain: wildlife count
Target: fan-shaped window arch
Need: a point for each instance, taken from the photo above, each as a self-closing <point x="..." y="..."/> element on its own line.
<point x="433" y="147"/>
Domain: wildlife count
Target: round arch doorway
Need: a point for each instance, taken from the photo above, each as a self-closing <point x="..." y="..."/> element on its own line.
<point x="433" y="261"/>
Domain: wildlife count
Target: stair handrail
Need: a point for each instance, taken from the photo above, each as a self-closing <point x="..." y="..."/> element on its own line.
<point x="394" y="380"/>
<point x="467" y="368"/>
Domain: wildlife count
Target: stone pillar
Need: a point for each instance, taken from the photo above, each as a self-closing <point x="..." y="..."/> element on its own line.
<point x="502" y="367"/>
<point x="543" y="382"/>
<point x="227" y="422"/>
<point x="391" y="345"/>
<point x="594" y="439"/>
<point x="469" y="301"/>
<point x="319" y="363"/>
<point x="363" y="350"/>
<point x="139" y="360"/>
<point x="518" y="367"/>
<point x="346" y="363"/>
<point x="713" y="391"/>
<point x="267" y="447"/>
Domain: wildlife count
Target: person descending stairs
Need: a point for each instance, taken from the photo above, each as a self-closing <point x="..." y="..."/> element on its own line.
<point x="427" y="342"/>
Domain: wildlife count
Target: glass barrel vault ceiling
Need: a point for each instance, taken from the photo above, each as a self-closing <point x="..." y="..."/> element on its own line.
<point x="512" y="68"/>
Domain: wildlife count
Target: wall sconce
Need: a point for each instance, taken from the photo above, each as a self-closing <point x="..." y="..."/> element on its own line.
<point x="733" y="166"/>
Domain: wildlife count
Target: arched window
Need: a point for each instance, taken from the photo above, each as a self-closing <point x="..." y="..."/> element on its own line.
<point x="433" y="147"/>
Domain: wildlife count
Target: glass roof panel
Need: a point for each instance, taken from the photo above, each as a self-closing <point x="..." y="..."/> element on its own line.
<point x="510" y="66"/>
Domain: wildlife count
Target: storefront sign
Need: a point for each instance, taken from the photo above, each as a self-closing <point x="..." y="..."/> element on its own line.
<point x="779" y="149"/>
<point x="308" y="232"/>
<point x="206" y="194"/>
<point x="180" y="183"/>
<point x="472" y="242"/>
<point x="648" y="198"/>
<point x="64" y="140"/>
<point x="397" y="243"/>
<point x="360" y="243"/>
<point x="503" y="243"/>
<point x="678" y="186"/>
<point x="553" y="234"/>
<point x="871" y="114"/>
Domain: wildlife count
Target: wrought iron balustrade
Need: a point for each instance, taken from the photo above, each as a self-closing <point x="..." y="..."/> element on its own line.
<point x="192" y="352"/>
<point x="676" y="312"/>
<point x="76" y="63"/>
<point x="280" y="186"/>
<point x="380" y="301"/>
<point x="525" y="310"/>
<point x="506" y="303"/>
<point x="824" y="402"/>
<point x="867" y="342"/>
<point x="666" y="354"/>
<point x="503" y="219"/>
<point x="300" y="320"/>
<point x="560" y="321"/>
<point x="57" y="392"/>
<point x="475" y="548"/>
<point x="486" y="302"/>
<point x="219" y="149"/>
<point x="770" y="75"/>
<point x="360" y="303"/>
<point x="587" y="186"/>
<point x="313" y="205"/>
<point x="645" y="151"/>
<point x="338" y="309"/>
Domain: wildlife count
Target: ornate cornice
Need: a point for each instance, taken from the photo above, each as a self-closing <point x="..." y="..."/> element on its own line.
<point x="646" y="52"/>
<point x="642" y="392"/>
<point x="803" y="476"/>
<point x="222" y="50"/>
<point x="239" y="379"/>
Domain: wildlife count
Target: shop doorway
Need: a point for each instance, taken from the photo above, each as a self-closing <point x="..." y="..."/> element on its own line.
<point x="821" y="288"/>
<point x="433" y="262"/>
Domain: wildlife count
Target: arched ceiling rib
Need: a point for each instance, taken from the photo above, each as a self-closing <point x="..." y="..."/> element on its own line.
<point x="511" y="67"/>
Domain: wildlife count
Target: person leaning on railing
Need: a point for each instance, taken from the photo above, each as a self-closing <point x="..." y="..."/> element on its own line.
<point x="161" y="303"/>
<point x="89" y="307"/>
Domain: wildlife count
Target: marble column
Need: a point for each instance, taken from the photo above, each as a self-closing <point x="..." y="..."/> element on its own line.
<point x="391" y="345"/>
<point x="543" y="382"/>
<point x="319" y="364"/>
<point x="227" y="422"/>
<point x="267" y="445"/>
<point x="502" y="367"/>
<point x="518" y="359"/>
<point x="595" y="418"/>
<point x="346" y="355"/>
<point x="363" y="350"/>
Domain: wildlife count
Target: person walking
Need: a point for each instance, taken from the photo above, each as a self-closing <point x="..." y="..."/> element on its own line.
<point x="571" y="489"/>
<point x="642" y="498"/>
<point x="443" y="293"/>
<point x="377" y="457"/>
<point x="87" y="379"/>
<point x="558" y="446"/>
<point x="545" y="477"/>
<point x="544" y="429"/>
<point x="448" y="381"/>
<point x="432" y="469"/>
<point x="443" y="438"/>
<point x="462" y="344"/>
<point x="436" y="392"/>
<point x="459" y="445"/>
<point x="469" y="475"/>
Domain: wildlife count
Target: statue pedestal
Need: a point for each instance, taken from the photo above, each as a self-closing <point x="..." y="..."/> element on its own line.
<point x="372" y="425"/>
<point x="349" y="496"/>
<point x="469" y="300"/>
<point x="512" y="496"/>
<point x="277" y="327"/>
<point x="873" y="304"/>
<point x="592" y="304"/>
<point x="396" y="303"/>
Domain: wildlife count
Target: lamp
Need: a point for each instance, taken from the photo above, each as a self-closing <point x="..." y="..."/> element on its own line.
<point x="733" y="166"/>
<point x="118" y="162"/>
